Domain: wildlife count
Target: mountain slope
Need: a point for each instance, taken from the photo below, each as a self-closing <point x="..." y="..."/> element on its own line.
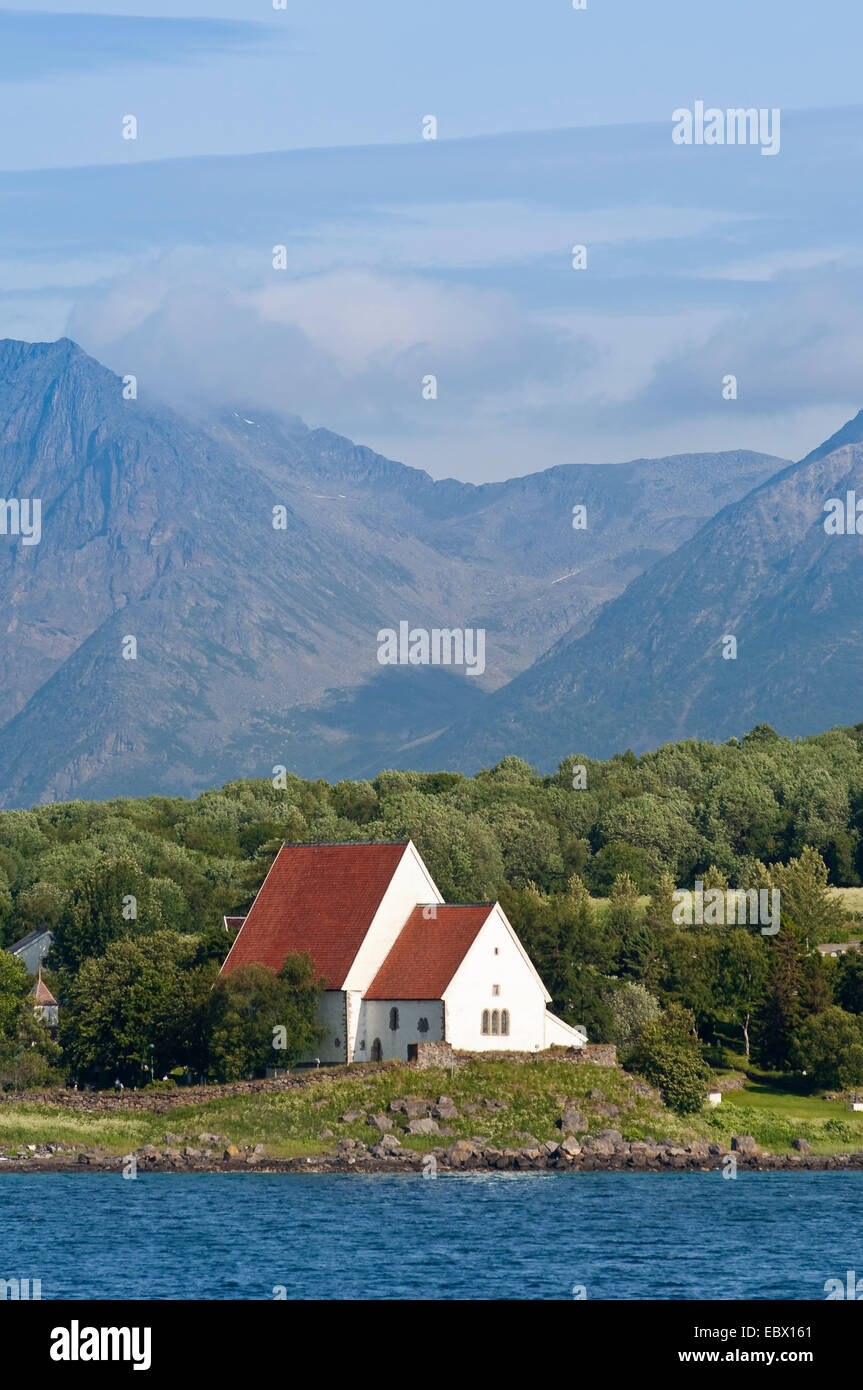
<point x="652" y="668"/>
<point x="257" y="646"/>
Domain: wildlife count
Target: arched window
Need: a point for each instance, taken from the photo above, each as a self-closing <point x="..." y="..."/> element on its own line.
<point x="422" y="1025"/>
<point x="504" y="1022"/>
<point x="485" y="1022"/>
<point x="394" y="1020"/>
<point x="377" y="1051"/>
<point x="495" y="1023"/>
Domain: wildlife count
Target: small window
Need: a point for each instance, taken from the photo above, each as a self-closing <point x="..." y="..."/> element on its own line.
<point x="394" y="1020"/>
<point x="504" y="1023"/>
<point x="485" y="1022"/>
<point x="497" y="950"/>
<point x="337" y="1042"/>
<point x="422" y="1025"/>
<point x="363" y="1045"/>
<point x="495" y="989"/>
<point x="495" y="1023"/>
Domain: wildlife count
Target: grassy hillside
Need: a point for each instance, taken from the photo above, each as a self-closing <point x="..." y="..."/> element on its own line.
<point x="510" y="1101"/>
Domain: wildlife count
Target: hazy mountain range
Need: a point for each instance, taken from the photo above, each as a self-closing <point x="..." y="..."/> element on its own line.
<point x="257" y="647"/>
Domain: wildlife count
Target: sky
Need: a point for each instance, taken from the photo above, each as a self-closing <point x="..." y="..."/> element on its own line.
<point x="409" y="258"/>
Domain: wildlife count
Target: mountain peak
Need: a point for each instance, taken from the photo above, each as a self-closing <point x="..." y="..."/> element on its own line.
<point x="850" y="433"/>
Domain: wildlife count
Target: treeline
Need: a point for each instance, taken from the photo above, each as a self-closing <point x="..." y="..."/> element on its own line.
<point x="107" y="876"/>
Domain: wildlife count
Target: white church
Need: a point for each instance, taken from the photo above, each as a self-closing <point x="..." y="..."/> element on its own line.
<point x="401" y="966"/>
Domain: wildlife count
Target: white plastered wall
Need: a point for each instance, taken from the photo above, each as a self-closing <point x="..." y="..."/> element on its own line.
<point x="496" y="958"/>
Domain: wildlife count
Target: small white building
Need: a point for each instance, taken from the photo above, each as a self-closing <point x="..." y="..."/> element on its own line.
<point x="45" y="1006"/>
<point x="401" y="966"/>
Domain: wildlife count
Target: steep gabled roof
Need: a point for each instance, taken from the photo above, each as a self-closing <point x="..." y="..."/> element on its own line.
<point x="29" y="939"/>
<point x="41" y="993"/>
<point x="316" y="898"/>
<point x="429" y="950"/>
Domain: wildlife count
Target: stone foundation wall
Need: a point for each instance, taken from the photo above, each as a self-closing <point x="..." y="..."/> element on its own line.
<point x="424" y="1055"/>
<point x="599" y="1054"/>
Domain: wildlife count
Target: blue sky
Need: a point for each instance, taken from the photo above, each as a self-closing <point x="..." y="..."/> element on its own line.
<point x="452" y="257"/>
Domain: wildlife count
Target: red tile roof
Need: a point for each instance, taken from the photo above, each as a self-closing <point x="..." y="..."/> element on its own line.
<point x="316" y="898"/>
<point x="428" y="951"/>
<point x="42" y="993"/>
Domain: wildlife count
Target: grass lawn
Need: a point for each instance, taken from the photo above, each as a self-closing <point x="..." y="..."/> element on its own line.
<point x="526" y="1099"/>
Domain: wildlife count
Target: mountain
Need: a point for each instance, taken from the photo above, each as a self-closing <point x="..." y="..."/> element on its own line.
<point x="257" y="646"/>
<point x="765" y="571"/>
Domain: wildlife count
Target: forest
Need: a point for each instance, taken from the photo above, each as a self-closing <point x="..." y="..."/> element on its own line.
<point x="585" y="862"/>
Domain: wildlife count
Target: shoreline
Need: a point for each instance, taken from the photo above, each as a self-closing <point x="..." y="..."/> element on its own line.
<point x="460" y="1158"/>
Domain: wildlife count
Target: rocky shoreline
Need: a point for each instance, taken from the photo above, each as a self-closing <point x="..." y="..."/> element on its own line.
<point x="605" y="1152"/>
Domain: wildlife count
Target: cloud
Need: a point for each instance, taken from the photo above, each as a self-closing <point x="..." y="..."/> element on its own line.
<point x="401" y="265"/>
<point x="345" y="349"/>
<point x="40" y="45"/>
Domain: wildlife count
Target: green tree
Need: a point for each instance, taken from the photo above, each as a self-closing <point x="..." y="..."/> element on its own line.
<point x="830" y="1048"/>
<point x="806" y="900"/>
<point x="779" y="1016"/>
<point x="259" y="1018"/>
<point x="661" y="905"/>
<point x="742" y="977"/>
<point x="107" y="902"/>
<point x="669" y="1057"/>
<point x="849" y="982"/>
<point x="632" y="1008"/>
<point x="137" y="1008"/>
<point x="577" y="960"/>
<point x="14" y="984"/>
<point x="617" y="858"/>
<point x="29" y="1056"/>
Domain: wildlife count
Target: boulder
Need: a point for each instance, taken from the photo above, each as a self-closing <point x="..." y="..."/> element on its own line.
<point x="412" y="1106"/>
<point x="462" y="1151"/>
<point x="351" y="1116"/>
<point x="388" y="1143"/>
<point x="613" y="1136"/>
<point x="231" y="1151"/>
<point x="802" y="1146"/>
<point x="595" y="1094"/>
<point x="445" y="1110"/>
<point x="570" y="1146"/>
<point x="610" y="1111"/>
<point x="426" y="1125"/>
<point x="381" y="1122"/>
<point x="573" y="1122"/>
<point x="598" y="1146"/>
<point x="744" y="1144"/>
<point x="417" y="1109"/>
<point x="381" y="1151"/>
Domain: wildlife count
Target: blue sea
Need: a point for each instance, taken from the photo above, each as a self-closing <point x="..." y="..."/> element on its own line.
<point x="468" y="1236"/>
